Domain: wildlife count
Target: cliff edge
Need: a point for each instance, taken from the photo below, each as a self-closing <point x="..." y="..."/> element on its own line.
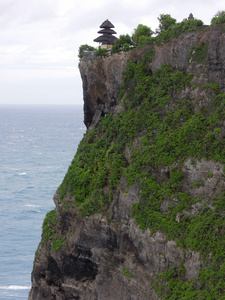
<point x="140" y="212"/>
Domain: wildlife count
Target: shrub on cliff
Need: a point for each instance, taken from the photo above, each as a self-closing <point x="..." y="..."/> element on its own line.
<point x="175" y="29"/>
<point x="101" y="52"/>
<point x="165" y="21"/>
<point x="85" y="48"/>
<point x="142" y="35"/>
<point x="219" y="18"/>
<point x="123" y="43"/>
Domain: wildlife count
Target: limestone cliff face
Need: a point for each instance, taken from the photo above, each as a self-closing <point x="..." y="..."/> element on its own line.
<point x="107" y="256"/>
<point x="102" y="78"/>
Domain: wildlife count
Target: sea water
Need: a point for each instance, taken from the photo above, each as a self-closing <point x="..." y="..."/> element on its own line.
<point x="36" y="147"/>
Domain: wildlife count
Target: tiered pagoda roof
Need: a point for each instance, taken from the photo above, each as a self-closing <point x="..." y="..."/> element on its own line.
<point x="107" y="37"/>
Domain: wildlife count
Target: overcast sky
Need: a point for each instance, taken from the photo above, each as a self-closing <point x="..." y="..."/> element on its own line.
<point x="39" y="40"/>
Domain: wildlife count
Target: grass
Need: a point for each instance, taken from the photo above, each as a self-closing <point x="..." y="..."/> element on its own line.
<point x="50" y="231"/>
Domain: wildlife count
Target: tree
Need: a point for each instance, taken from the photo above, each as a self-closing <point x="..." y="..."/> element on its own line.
<point x="123" y="43"/>
<point x="140" y="32"/>
<point x="101" y="52"/>
<point x="85" y="48"/>
<point x="219" y="18"/>
<point x="165" y="21"/>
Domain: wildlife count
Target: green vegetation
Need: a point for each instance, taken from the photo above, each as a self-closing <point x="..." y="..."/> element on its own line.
<point x="126" y="272"/>
<point x="84" y="48"/>
<point x="219" y="18"/>
<point x="142" y="35"/>
<point x="168" y="29"/>
<point x="199" y="53"/>
<point x="209" y="175"/>
<point x="50" y="231"/>
<point x="159" y="130"/>
<point x="165" y="21"/>
<point x="208" y="285"/>
<point x="101" y="52"/>
<point x="123" y="43"/>
<point x="176" y="29"/>
<point x="98" y="51"/>
<point x="49" y="225"/>
<point x="197" y="184"/>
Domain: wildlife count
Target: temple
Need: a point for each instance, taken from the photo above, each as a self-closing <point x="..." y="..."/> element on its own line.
<point x="107" y="39"/>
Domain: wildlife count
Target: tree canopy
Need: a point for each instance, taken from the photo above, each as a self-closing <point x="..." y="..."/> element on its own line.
<point x="165" y="21"/>
<point x="140" y="32"/>
<point x="219" y="18"/>
<point x="123" y="43"/>
<point x="85" y="48"/>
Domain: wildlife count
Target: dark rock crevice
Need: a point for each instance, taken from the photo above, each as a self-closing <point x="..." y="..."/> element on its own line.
<point x="79" y="268"/>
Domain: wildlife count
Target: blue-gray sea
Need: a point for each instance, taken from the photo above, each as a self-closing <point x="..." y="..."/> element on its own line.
<point x="36" y="147"/>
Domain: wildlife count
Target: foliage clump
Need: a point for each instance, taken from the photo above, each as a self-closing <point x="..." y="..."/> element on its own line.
<point x="50" y="231"/>
<point x="199" y="53"/>
<point x="142" y="35"/>
<point x="173" y="30"/>
<point x="165" y="21"/>
<point x="219" y="18"/>
<point x="101" y="52"/>
<point x="98" y="51"/>
<point x="123" y="43"/>
<point x="84" y="48"/>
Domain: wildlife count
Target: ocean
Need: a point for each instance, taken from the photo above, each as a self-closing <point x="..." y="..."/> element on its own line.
<point x="36" y="148"/>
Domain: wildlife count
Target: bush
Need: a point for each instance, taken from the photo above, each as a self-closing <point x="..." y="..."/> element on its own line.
<point x="85" y="48"/>
<point x="165" y="21"/>
<point x="142" y="31"/>
<point x="174" y="30"/>
<point x="219" y="18"/>
<point x="101" y="52"/>
<point x="123" y="43"/>
<point x="199" y="53"/>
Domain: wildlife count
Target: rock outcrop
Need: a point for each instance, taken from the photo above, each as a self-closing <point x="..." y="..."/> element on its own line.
<point x="107" y="256"/>
<point x="102" y="78"/>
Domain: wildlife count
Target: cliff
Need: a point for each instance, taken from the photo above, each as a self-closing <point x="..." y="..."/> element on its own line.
<point x="140" y="212"/>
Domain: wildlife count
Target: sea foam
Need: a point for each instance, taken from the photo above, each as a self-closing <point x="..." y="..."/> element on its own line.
<point x="15" y="287"/>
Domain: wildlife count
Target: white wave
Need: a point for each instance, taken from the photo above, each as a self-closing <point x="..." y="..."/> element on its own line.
<point x="10" y="143"/>
<point x="32" y="205"/>
<point x="14" y="287"/>
<point x="22" y="173"/>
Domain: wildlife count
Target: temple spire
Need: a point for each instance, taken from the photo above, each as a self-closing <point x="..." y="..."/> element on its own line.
<point x="107" y="39"/>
